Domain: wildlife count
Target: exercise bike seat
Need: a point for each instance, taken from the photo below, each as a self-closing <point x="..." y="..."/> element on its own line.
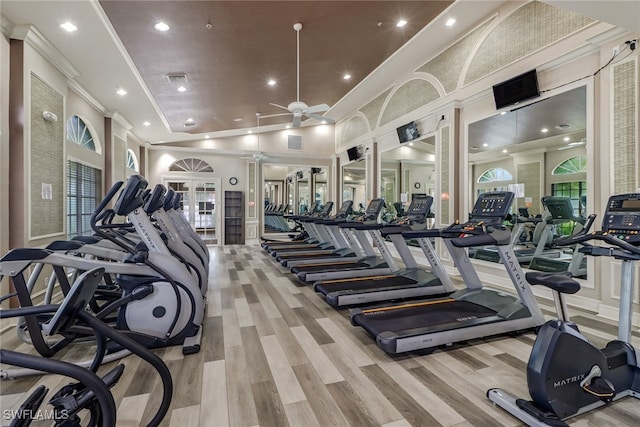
<point x="561" y="282"/>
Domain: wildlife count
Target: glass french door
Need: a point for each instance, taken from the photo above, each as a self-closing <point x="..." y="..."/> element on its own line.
<point x="199" y="205"/>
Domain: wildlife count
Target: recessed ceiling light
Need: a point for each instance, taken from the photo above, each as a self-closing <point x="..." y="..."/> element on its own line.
<point x="485" y="145"/>
<point x="271" y="82"/>
<point x="121" y="92"/>
<point x="346" y="76"/>
<point x="237" y="119"/>
<point x="189" y="120"/>
<point x="146" y="124"/>
<point x="505" y="151"/>
<point x="450" y="22"/>
<point x="288" y="126"/>
<point x="566" y="139"/>
<point x="206" y="137"/>
<point x="411" y="144"/>
<point x="503" y="113"/>
<point x="182" y="89"/>
<point x="544" y="130"/>
<point x="161" y="26"/>
<point x="401" y="23"/>
<point x="68" y="27"/>
<point x="249" y="131"/>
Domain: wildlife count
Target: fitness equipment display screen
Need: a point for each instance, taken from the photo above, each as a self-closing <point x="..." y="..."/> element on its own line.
<point x="493" y="204"/>
<point x="622" y="218"/>
<point x="374" y="206"/>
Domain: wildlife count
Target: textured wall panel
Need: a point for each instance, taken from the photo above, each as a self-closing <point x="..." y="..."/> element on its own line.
<point x="409" y="97"/>
<point x="119" y="159"/>
<point x="529" y="174"/>
<point x="447" y="66"/>
<point x="625" y="150"/>
<point x="351" y="129"/>
<point x="47" y="162"/>
<point x="373" y="108"/>
<point x="531" y="27"/>
<point x="444" y="177"/>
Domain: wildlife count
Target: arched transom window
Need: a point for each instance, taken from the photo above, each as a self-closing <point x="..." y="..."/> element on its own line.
<point x="190" y="165"/>
<point x="494" y="175"/>
<point x="576" y="164"/>
<point x="132" y="161"/>
<point x="79" y="133"/>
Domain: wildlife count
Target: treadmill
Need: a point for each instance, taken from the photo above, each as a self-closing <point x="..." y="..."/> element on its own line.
<point x="315" y="239"/>
<point x="344" y="245"/>
<point x="473" y="312"/>
<point x="409" y="282"/>
<point x="268" y="243"/>
<point x="370" y="264"/>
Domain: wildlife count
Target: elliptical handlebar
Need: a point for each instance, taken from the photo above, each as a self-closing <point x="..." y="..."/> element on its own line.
<point x="98" y="213"/>
<point x="579" y="237"/>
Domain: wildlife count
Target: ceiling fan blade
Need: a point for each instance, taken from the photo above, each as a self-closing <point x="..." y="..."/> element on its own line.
<point x="277" y="105"/>
<point x="275" y="115"/>
<point x="320" y="118"/>
<point x="317" y="108"/>
<point x="296" y="121"/>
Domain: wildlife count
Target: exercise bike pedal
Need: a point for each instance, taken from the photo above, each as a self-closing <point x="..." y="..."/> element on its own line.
<point x="600" y="388"/>
<point x="28" y="410"/>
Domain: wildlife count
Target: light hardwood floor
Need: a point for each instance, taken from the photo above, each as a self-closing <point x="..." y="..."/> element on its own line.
<point x="275" y="354"/>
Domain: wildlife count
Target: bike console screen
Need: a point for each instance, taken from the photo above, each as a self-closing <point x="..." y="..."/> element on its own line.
<point x="622" y="217"/>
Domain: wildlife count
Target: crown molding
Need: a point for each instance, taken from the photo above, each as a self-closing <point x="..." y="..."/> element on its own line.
<point x="40" y="44"/>
<point x="86" y="96"/>
<point x="119" y="118"/>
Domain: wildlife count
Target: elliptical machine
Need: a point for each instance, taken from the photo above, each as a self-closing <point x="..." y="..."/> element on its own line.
<point x="566" y="374"/>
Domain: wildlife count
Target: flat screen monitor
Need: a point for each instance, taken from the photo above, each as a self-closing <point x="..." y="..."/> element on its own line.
<point x="408" y="132"/>
<point x="353" y="153"/>
<point x="517" y="89"/>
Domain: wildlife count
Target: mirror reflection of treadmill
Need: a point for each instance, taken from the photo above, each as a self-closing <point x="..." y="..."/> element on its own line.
<point x="553" y="259"/>
<point x="412" y="281"/>
<point x="339" y="247"/>
<point x="370" y="264"/>
<point x="472" y="312"/>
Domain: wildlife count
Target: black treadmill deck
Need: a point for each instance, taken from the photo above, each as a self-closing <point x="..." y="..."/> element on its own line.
<point x="363" y="284"/>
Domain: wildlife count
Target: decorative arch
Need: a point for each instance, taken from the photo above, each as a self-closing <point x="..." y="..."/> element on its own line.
<point x="132" y="161"/>
<point x="190" y="165"/>
<point x="576" y="164"/>
<point x="412" y="95"/>
<point x="494" y="175"/>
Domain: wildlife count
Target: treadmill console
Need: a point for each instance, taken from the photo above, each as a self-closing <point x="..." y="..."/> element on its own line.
<point x="622" y="217"/>
<point x="418" y="209"/>
<point x="492" y="207"/>
<point x="345" y="209"/>
<point x="373" y="209"/>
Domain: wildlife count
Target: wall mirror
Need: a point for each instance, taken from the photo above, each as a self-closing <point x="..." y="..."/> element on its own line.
<point x="538" y="152"/>
<point x="287" y="190"/>
<point x="353" y="184"/>
<point x="408" y="170"/>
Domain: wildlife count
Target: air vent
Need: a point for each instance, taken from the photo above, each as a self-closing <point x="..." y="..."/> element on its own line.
<point x="177" y="79"/>
<point x="295" y="142"/>
<point x="189" y="124"/>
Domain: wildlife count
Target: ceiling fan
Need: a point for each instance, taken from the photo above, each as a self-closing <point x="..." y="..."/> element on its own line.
<point x="298" y="108"/>
<point x="258" y="156"/>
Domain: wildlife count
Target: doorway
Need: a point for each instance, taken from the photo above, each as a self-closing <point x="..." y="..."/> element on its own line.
<point x="199" y="205"/>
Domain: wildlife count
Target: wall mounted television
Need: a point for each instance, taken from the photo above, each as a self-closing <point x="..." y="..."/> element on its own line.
<point x="353" y="153"/>
<point x="520" y="88"/>
<point x="408" y="132"/>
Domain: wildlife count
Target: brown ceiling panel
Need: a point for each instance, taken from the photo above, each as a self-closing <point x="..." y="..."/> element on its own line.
<point x="228" y="65"/>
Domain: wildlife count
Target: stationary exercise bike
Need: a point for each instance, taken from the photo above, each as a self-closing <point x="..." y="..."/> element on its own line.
<point x="566" y="374"/>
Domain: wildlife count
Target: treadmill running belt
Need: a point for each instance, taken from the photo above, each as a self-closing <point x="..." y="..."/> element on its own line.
<point x="435" y="315"/>
<point x="329" y="267"/>
<point x="368" y="284"/>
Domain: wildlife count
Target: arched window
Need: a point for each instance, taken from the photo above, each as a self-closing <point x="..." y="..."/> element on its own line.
<point x="79" y="133"/>
<point x="494" y="175"/>
<point x="132" y="161"/>
<point x="191" y="165"/>
<point x="576" y="164"/>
